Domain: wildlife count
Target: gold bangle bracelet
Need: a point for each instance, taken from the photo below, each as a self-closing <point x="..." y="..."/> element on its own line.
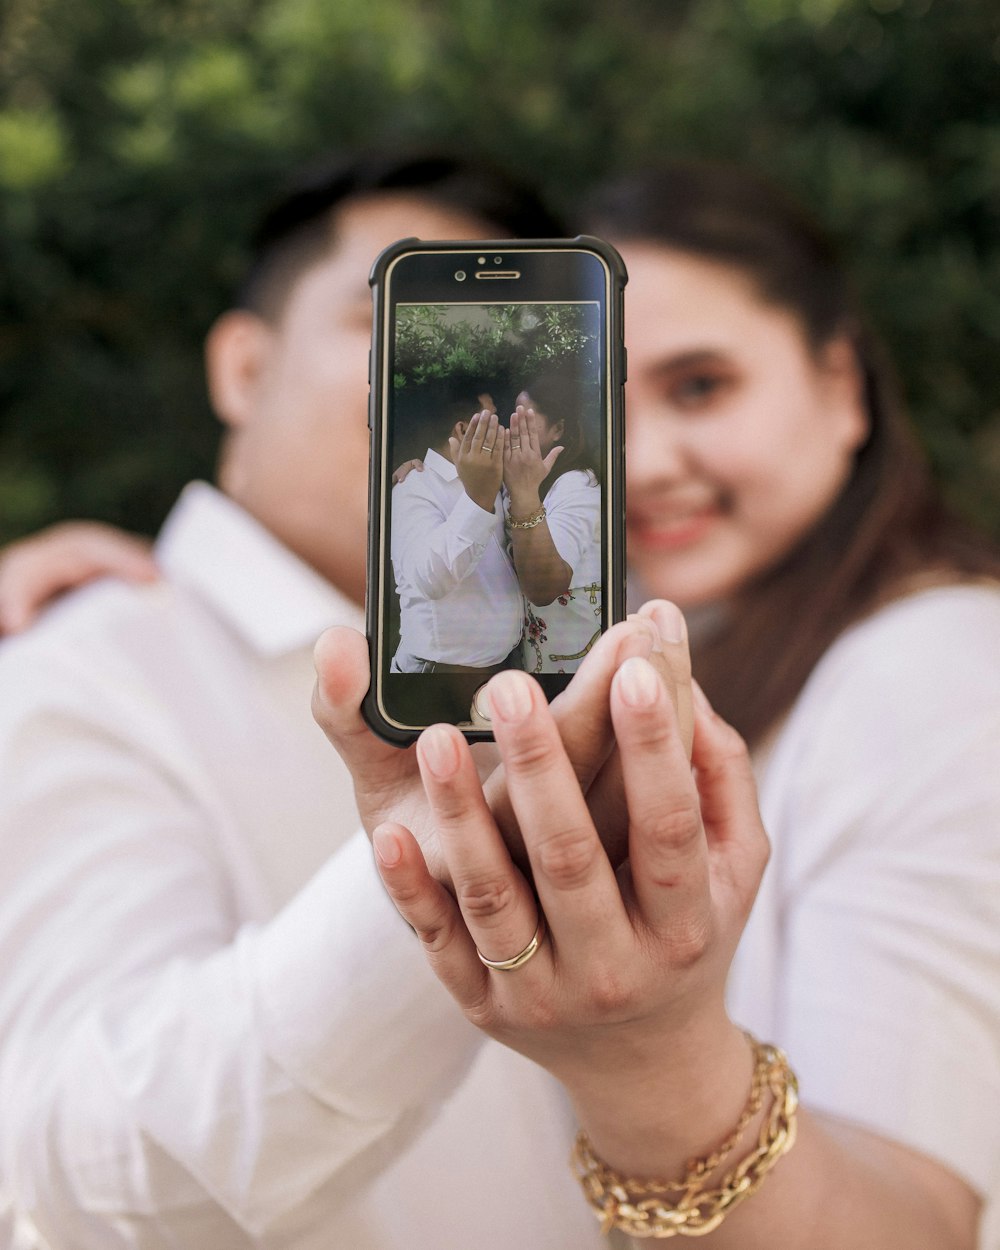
<point x="646" y="1208"/>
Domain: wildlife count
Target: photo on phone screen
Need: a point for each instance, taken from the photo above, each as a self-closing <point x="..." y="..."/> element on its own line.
<point x="495" y="450"/>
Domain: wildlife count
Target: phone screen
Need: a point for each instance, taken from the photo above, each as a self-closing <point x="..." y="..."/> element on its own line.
<point x="496" y="458"/>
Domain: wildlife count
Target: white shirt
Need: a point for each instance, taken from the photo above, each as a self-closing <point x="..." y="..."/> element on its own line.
<point x="573" y="513"/>
<point x="458" y="593"/>
<point x="215" y="1030"/>
<point x="872" y="954"/>
<point x="558" y="636"/>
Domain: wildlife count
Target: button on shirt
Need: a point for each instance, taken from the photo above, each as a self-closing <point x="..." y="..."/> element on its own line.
<point x="458" y="593"/>
<point x="215" y="1030"/>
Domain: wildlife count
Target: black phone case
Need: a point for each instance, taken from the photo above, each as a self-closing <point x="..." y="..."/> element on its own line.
<point x="376" y="588"/>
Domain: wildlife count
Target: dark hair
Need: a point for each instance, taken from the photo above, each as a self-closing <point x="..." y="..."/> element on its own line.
<point x="560" y="395"/>
<point x="300" y="227"/>
<point x="426" y="414"/>
<point x="887" y="530"/>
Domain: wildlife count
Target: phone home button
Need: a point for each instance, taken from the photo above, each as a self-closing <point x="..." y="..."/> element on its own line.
<point x="479" y="713"/>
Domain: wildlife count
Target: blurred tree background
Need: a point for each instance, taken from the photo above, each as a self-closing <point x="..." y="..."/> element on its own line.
<point x="139" y="139"/>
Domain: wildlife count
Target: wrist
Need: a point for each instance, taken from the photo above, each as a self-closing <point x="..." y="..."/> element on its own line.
<point x="523" y="503"/>
<point x="669" y="1103"/>
<point x="482" y="500"/>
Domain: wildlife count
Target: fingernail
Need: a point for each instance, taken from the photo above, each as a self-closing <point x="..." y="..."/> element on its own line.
<point x="438" y="752"/>
<point x="638" y="682"/>
<point x="650" y="630"/>
<point x="388" y="848"/>
<point x="669" y="621"/>
<point x="510" y="697"/>
<point x="647" y="635"/>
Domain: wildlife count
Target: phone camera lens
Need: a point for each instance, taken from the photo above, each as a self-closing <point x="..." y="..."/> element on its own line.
<point x="498" y="260"/>
<point x="460" y="275"/>
<point x="481" y="260"/>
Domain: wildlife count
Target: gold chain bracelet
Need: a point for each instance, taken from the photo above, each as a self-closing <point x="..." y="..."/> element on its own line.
<point x="529" y="522"/>
<point x="622" y="1202"/>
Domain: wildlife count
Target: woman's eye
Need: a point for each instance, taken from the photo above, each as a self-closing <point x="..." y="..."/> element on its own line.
<point x="697" y="390"/>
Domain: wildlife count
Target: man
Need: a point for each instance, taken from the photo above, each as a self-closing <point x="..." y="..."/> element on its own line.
<point x="214" y="1029"/>
<point x="459" y="599"/>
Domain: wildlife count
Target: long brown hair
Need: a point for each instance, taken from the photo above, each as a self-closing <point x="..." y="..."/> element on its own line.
<point x="888" y="530"/>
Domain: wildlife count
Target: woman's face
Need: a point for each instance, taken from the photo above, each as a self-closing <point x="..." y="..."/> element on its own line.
<point x="549" y="432"/>
<point x="739" y="435"/>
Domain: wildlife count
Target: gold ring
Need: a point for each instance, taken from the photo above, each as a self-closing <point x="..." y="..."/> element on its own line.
<point x="489" y="450"/>
<point x="516" y="444"/>
<point x="521" y="958"/>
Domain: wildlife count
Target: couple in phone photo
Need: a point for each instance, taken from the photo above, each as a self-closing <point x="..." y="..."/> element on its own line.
<point x="495" y="540"/>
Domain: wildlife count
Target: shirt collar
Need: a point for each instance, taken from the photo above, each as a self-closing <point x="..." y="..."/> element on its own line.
<point x="271" y="597"/>
<point x="441" y="465"/>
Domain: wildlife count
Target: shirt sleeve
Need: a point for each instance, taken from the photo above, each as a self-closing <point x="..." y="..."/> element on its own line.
<point x="573" y="513"/>
<point x="169" y="1075"/>
<point x="434" y="548"/>
<point x="889" y="1001"/>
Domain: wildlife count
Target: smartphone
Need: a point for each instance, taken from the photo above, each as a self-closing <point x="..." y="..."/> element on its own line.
<point x="496" y="534"/>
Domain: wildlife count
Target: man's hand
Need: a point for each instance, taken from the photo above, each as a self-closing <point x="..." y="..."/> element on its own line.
<point x="479" y="458"/>
<point x="36" y="570"/>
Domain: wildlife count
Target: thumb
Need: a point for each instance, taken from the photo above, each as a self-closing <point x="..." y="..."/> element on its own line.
<point x="342" y="678"/>
<point x="551" y="458"/>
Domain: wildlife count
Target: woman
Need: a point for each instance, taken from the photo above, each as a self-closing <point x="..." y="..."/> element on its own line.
<point x="554" y="523"/>
<point x="851" y="631"/>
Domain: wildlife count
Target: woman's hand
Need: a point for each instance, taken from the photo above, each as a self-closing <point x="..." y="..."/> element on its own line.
<point x="36" y="570"/>
<point x="623" y="1001"/>
<point x="524" y="466"/>
<point x="405" y="469"/>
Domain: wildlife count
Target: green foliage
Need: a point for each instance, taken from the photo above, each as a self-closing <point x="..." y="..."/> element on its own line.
<point x="139" y="138"/>
<point x="514" y="344"/>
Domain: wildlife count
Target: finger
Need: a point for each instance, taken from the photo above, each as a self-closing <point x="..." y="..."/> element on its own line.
<point x="606" y="792"/>
<point x="672" y="628"/>
<point x="409" y="466"/>
<point x="505" y="434"/>
<point x="582" y="711"/>
<point x="516" y="430"/>
<point x="474" y="432"/>
<point x="490" y="438"/>
<point x="667" y="848"/>
<point x="494" y="898"/>
<point x="583" y="716"/>
<point x="342" y="679"/>
<point x="727" y="788"/>
<point x="431" y="912"/>
<point x="551" y="458"/>
<point x="36" y="570"/>
<point x="531" y="426"/>
<point x="574" y="880"/>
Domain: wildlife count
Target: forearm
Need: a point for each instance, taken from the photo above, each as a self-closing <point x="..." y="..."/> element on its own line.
<point x="227" y="1091"/>
<point x="436" y="553"/>
<point x="838" y="1188"/>
<point x="541" y="571"/>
